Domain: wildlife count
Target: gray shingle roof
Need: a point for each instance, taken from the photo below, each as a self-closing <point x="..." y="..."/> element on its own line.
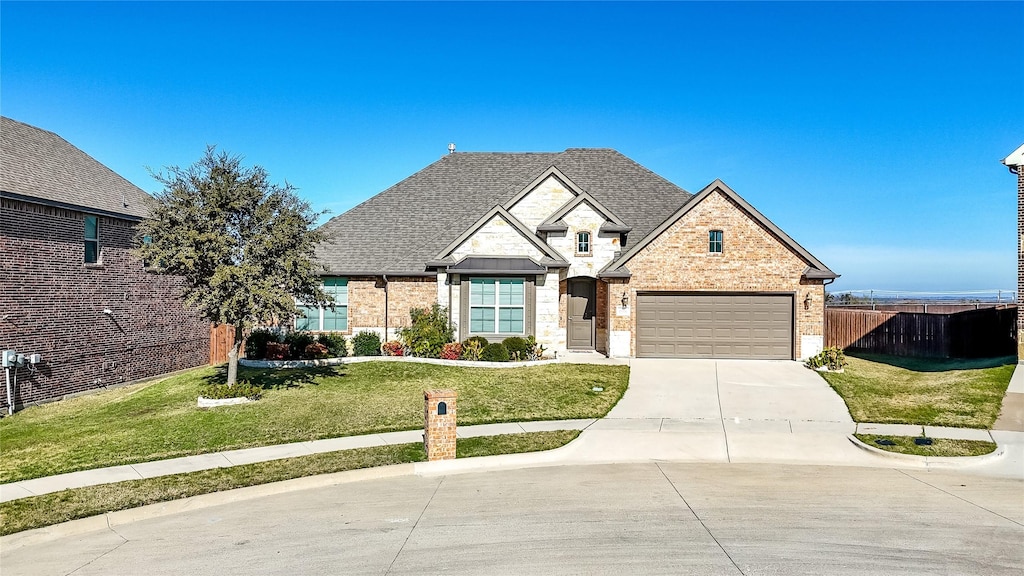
<point x="400" y="229"/>
<point x="39" y="164"/>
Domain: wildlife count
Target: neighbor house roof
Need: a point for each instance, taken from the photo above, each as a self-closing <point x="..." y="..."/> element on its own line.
<point x="1016" y="158"/>
<point x="402" y="228"/>
<point x="39" y="165"/>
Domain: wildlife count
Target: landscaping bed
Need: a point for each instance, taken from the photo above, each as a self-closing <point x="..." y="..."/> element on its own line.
<point x="939" y="447"/>
<point x="48" y="509"/>
<point x="160" y="420"/>
<point x="925" y="391"/>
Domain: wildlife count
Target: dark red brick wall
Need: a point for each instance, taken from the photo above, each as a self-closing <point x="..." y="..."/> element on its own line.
<point x="51" y="303"/>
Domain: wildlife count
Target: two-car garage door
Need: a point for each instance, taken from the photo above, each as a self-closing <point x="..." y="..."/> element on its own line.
<point x="714" y="326"/>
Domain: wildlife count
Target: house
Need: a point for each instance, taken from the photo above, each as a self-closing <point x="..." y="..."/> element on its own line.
<point x="1014" y="162"/>
<point x="585" y="249"/>
<point x="71" y="291"/>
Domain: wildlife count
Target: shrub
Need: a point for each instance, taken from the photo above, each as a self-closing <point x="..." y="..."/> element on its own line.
<point x="478" y="339"/>
<point x="256" y="343"/>
<point x="393" y="348"/>
<point x="429" y="332"/>
<point x="366" y="343"/>
<point x="832" y="358"/>
<point x="335" y="344"/>
<point x="517" y="348"/>
<point x="315" y="351"/>
<point x="277" y="351"/>
<point x="495" y="353"/>
<point x="534" y="351"/>
<point x="451" y="351"/>
<point x="239" y="390"/>
<point x="297" y="342"/>
<point x="471" y="349"/>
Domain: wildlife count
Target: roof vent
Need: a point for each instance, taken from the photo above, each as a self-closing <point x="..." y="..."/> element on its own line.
<point x="124" y="200"/>
<point x="451" y="147"/>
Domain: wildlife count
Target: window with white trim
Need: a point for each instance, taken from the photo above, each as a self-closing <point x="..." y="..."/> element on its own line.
<point x="92" y="239"/>
<point x="497" y="306"/>
<point x="323" y="318"/>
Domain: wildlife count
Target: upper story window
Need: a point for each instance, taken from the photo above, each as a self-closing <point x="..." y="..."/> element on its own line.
<point x="583" y="243"/>
<point x="496" y="306"/>
<point x="324" y="318"/>
<point x="92" y="239"/>
<point x="715" y="241"/>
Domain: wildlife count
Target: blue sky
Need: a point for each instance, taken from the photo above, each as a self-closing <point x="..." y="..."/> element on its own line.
<point x="870" y="132"/>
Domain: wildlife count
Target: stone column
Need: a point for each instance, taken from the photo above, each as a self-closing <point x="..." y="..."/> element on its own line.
<point x="439" y="424"/>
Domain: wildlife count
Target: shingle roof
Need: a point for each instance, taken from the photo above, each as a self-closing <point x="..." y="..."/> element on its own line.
<point x="39" y="164"/>
<point x="400" y="229"/>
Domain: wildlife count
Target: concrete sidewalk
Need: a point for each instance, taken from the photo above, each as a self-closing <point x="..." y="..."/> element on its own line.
<point x="1012" y="415"/>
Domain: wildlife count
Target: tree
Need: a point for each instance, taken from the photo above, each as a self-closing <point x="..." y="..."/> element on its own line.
<point x="244" y="246"/>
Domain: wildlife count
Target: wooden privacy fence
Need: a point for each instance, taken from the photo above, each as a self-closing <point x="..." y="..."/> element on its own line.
<point x="971" y="334"/>
<point x="222" y="337"/>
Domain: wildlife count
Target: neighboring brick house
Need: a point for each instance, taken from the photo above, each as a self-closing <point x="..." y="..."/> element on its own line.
<point x="1015" y="162"/>
<point x="71" y="291"/>
<point x="585" y="249"/>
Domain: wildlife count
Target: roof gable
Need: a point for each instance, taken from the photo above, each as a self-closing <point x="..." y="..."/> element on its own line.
<point x="500" y="213"/>
<point x="552" y="223"/>
<point x="551" y="172"/>
<point x="38" y="165"/>
<point x="815" y="269"/>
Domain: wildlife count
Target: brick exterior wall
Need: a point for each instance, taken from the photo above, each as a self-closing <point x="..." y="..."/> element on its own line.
<point x="1020" y="261"/>
<point x="367" y="298"/>
<point x="439" y="429"/>
<point x="52" y="304"/>
<point x="753" y="260"/>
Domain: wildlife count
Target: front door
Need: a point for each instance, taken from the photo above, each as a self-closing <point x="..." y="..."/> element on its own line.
<point x="582" y="313"/>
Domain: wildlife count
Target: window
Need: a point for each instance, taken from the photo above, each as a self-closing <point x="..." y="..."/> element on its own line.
<point x="583" y="242"/>
<point x="92" y="239"/>
<point x="715" y="242"/>
<point x="496" y="306"/>
<point x="323" y="318"/>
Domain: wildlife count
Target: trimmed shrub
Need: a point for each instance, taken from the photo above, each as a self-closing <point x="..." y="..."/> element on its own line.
<point x="471" y="350"/>
<point x="831" y="358"/>
<point x="256" y="343"/>
<point x="451" y="351"/>
<point x="393" y="348"/>
<point x="366" y="343"/>
<point x="335" y="344"/>
<point x="517" y="348"/>
<point x="478" y="339"/>
<point x="429" y="332"/>
<point x="495" y="353"/>
<point x="277" y="351"/>
<point x="315" y="351"/>
<point x="297" y="342"/>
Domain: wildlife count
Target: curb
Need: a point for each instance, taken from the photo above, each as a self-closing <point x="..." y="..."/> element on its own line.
<point x="946" y="462"/>
<point x="111" y="520"/>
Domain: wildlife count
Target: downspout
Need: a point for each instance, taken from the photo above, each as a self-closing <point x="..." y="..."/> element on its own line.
<point x="385" y="277"/>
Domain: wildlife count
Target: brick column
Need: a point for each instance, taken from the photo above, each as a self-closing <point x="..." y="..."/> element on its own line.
<point x="1020" y="261"/>
<point x="439" y="424"/>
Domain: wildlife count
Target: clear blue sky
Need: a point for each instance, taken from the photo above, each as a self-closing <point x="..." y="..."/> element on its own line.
<point x="870" y="132"/>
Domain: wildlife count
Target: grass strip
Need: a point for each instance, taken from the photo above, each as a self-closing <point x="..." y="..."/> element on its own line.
<point x="48" y="509"/>
<point x="944" y="447"/>
<point x="160" y="420"/>
<point x="926" y="391"/>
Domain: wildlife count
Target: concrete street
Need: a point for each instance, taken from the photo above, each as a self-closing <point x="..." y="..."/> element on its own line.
<point x="651" y="518"/>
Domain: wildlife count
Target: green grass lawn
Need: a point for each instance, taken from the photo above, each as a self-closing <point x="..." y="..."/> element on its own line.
<point x="38" y="511"/>
<point x="938" y="447"/>
<point x="160" y="420"/>
<point x="925" y="391"/>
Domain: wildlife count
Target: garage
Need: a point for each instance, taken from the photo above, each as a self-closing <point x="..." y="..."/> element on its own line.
<point x="671" y="325"/>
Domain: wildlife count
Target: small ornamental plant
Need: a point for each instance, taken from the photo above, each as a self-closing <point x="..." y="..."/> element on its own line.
<point x="496" y="352"/>
<point x="451" y="351"/>
<point x="393" y="348"/>
<point x="315" y="351"/>
<point x="277" y="350"/>
<point x="832" y="359"/>
<point x="366" y="343"/>
<point x="471" y="350"/>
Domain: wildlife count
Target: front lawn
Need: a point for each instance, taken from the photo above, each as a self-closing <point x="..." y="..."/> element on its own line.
<point x="160" y="420"/>
<point x="925" y="391"/>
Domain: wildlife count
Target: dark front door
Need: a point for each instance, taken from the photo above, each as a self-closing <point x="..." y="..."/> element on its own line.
<point x="582" y="312"/>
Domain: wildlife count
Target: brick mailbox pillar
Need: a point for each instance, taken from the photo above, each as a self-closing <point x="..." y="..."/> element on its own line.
<point x="439" y="424"/>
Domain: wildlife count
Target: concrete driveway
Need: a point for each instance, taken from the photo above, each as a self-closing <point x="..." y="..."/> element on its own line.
<point x="722" y="411"/>
<point x="728" y="389"/>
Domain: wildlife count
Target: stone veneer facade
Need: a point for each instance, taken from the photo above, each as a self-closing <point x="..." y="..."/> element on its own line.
<point x="752" y="260"/>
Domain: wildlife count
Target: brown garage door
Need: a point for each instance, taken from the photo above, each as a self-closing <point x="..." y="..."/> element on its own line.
<point x="715" y="326"/>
